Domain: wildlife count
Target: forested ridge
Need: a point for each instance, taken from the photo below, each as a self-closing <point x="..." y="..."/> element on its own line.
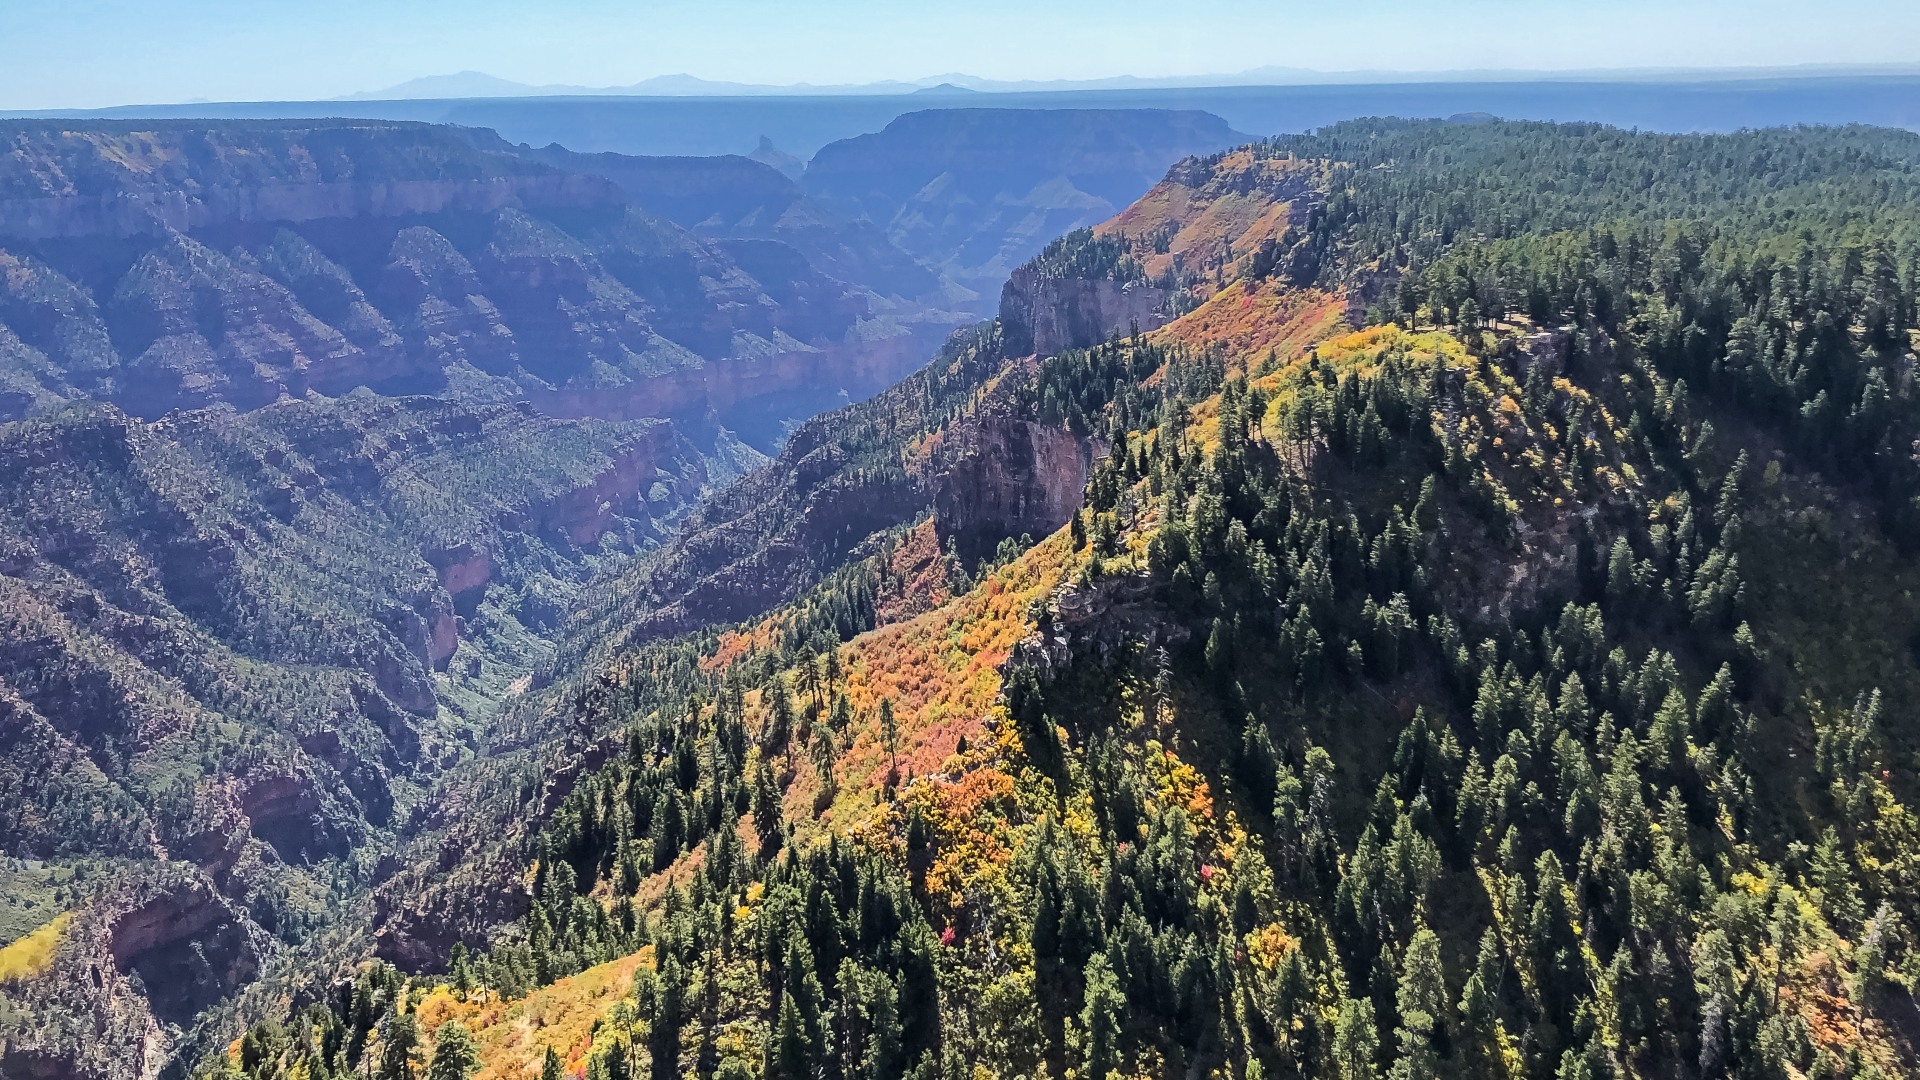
<point x="1520" y="685"/>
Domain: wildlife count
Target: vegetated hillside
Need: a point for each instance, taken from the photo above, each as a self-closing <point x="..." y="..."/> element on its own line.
<point x="238" y="648"/>
<point x="959" y="441"/>
<point x="1517" y="686"/>
<point x="966" y="438"/>
<point x="978" y="192"/>
<point x="178" y="264"/>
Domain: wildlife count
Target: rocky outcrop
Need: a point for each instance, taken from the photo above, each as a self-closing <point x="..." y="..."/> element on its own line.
<point x="1100" y="620"/>
<point x="190" y="947"/>
<point x="147" y="952"/>
<point x="1545" y="351"/>
<point x="1002" y="476"/>
<point x="1046" y="316"/>
<point x="462" y="568"/>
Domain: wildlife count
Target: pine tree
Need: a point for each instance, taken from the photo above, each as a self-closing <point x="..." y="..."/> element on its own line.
<point x="1422" y="996"/>
<point x="663" y="1005"/>
<point x="803" y="991"/>
<point x="833" y="673"/>
<point x="825" y="754"/>
<point x="460" y="971"/>
<point x="779" y="705"/>
<point x="891" y="730"/>
<point x="869" y="1023"/>
<point x="455" y="1055"/>
<point x="766" y="804"/>
<point x="810" y="678"/>
<point x="1355" y="1041"/>
<point x="1100" y="1021"/>
<point x="1479" y="999"/>
<point x="551" y="1067"/>
<point x="793" y="1054"/>
<point x="400" y="1047"/>
<point x="919" y="989"/>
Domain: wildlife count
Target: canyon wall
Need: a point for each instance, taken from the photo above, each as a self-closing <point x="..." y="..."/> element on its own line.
<point x="1045" y="315"/>
<point x="177" y="266"/>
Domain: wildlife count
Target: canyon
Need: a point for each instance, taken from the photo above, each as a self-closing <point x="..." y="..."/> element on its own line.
<point x="174" y="265"/>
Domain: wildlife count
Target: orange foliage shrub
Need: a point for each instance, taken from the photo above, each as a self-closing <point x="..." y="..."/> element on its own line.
<point x="1249" y="320"/>
<point x="941" y="669"/>
<point x="1236" y="204"/>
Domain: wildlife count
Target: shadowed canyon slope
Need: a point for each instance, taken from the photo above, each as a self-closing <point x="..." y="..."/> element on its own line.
<point x="977" y="192"/>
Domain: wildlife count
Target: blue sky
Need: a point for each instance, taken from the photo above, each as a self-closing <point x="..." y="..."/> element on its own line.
<point x="84" y="53"/>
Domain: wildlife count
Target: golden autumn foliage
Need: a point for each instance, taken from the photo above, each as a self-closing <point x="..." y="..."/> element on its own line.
<point x="513" y="1036"/>
<point x="31" y="954"/>
<point x="1251" y="320"/>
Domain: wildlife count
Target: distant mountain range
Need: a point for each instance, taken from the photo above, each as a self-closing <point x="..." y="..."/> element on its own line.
<point x="476" y="84"/>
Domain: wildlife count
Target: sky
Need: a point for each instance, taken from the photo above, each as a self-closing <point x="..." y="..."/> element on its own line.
<point x="95" y="53"/>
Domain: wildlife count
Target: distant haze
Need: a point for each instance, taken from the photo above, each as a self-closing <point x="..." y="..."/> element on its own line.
<point x="94" y="53"/>
<point x="701" y="124"/>
<point x="477" y="84"/>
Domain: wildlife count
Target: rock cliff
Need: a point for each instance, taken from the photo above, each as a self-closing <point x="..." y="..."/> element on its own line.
<point x="1046" y="315"/>
<point x="175" y="265"/>
<point x="131" y="967"/>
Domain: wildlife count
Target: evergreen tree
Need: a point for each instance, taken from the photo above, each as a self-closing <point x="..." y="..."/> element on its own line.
<point x="1100" y="1022"/>
<point x="1422" y="996"/>
<point x="400" y="1047"/>
<point x="460" y="971"/>
<point x="793" y="1053"/>
<point x="891" y="731"/>
<point x="455" y="1055"/>
<point x="778" y="701"/>
<point x="1355" y="1041"/>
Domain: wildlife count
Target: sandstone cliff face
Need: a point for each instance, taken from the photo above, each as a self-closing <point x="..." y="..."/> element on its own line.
<point x="812" y="379"/>
<point x="1099" y="620"/>
<point x="1046" y="315"/>
<point x="1003" y="476"/>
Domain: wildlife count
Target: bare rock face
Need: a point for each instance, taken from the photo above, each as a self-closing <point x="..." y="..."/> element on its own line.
<point x="137" y="959"/>
<point x="1545" y="351"/>
<point x="462" y="568"/>
<point x="1047" y="315"/>
<point x="1003" y="476"/>
<point x="1097" y="619"/>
